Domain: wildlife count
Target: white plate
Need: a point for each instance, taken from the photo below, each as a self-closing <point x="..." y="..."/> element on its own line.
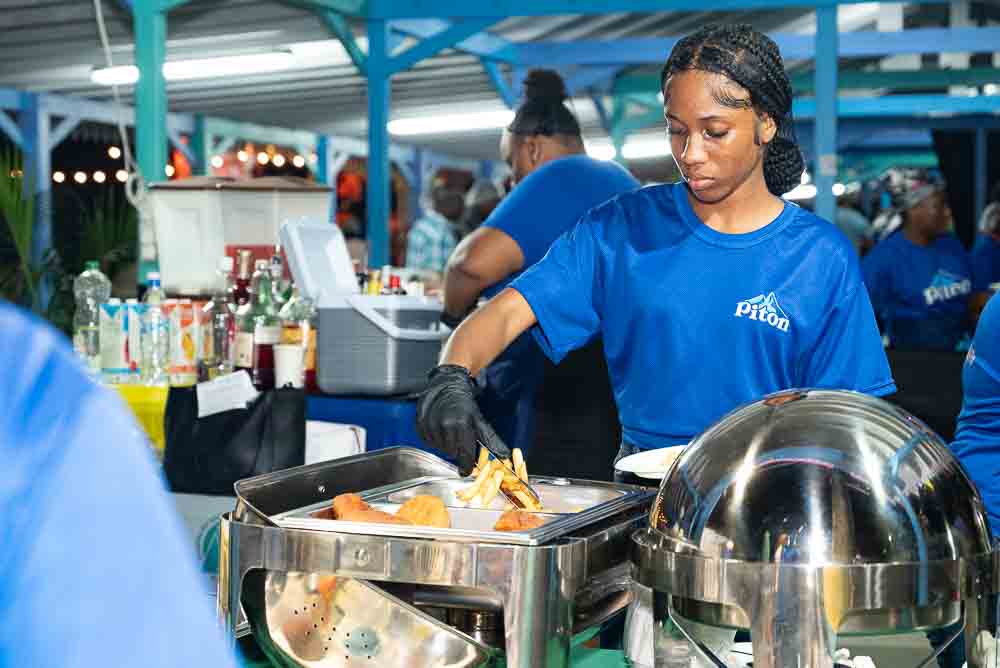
<point x="651" y="464"/>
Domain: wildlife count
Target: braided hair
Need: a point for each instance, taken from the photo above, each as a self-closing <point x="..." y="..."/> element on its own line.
<point x="544" y="111"/>
<point x="751" y="60"/>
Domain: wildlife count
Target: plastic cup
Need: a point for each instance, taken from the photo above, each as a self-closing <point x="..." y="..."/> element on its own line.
<point x="289" y="363"/>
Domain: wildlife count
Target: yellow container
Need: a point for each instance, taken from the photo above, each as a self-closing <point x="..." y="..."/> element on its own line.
<point x="149" y="405"/>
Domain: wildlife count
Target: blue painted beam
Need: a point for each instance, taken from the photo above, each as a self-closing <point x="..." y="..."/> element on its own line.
<point x="602" y="112"/>
<point x="10" y="99"/>
<point x="34" y="121"/>
<point x="102" y="112"/>
<point x="483" y="44"/>
<point x="338" y="26"/>
<point x="61" y="131"/>
<point x="435" y="44"/>
<point x="588" y="77"/>
<point x="10" y="128"/>
<point x="151" y="93"/>
<point x="499" y="83"/>
<point x="379" y="175"/>
<point x="903" y="105"/>
<point x="350" y="7"/>
<point x="409" y="9"/>
<point x="859" y="44"/>
<point x="826" y="112"/>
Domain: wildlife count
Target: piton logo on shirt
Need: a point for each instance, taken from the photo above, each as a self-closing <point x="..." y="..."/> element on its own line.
<point x="764" y="309"/>
<point x="945" y="286"/>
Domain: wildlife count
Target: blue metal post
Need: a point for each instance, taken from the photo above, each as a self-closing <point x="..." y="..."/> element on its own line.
<point x="201" y="145"/>
<point x="826" y="111"/>
<point x="379" y="181"/>
<point x="979" y="174"/>
<point x="34" y="124"/>
<point x="151" y="90"/>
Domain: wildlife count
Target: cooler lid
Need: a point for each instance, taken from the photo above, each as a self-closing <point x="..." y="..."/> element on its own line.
<point x="317" y="255"/>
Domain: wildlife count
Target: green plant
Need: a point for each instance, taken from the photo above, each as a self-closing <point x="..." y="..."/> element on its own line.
<point x="18" y="279"/>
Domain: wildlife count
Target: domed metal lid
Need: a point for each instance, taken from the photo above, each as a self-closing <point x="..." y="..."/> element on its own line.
<point x="821" y="477"/>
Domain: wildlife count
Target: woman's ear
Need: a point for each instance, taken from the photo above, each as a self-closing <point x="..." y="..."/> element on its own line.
<point x="766" y="128"/>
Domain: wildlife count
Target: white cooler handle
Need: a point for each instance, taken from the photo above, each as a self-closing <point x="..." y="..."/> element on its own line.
<point x="390" y="328"/>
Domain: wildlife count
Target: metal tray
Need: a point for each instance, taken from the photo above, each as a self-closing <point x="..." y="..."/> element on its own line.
<point x="581" y="503"/>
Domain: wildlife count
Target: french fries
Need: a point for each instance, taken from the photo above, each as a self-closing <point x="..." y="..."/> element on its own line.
<point x="491" y="476"/>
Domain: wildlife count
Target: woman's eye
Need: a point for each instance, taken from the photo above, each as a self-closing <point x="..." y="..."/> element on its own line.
<point x="674" y="131"/>
<point x="718" y="134"/>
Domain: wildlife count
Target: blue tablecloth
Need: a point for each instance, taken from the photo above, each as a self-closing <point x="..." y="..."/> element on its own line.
<point x="388" y="421"/>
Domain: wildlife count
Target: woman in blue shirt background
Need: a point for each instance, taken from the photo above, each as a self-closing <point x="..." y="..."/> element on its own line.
<point x="708" y="293"/>
<point x="919" y="277"/>
<point x="555" y="183"/>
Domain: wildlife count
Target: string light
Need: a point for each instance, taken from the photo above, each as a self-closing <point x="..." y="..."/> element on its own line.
<point x="99" y="177"/>
<point x="114" y="152"/>
<point x="58" y="177"/>
<point x="169" y="169"/>
<point x="121" y="175"/>
<point x="217" y="162"/>
<point x="242" y="156"/>
<point x="279" y="160"/>
<point x="299" y="161"/>
<point x="263" y="158"/>
<point x="80" y="177"/>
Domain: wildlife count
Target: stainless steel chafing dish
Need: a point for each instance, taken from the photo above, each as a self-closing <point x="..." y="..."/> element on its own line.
<point x="809" y="515"/>
<point x="321" y="592"/>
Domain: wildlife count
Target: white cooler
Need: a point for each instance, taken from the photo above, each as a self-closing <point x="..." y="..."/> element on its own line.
<point x="195" y="219"/>
<point x="367" y="345"/>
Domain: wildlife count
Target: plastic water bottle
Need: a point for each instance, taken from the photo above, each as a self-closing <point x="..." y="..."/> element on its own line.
<point x="155" y="335"/>
<point x="91" y="289"/>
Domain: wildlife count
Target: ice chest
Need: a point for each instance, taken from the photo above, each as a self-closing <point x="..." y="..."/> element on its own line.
<point x="368" y="345"/>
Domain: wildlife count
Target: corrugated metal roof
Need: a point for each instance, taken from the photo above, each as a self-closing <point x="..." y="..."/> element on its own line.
<point x="52" y="45"/>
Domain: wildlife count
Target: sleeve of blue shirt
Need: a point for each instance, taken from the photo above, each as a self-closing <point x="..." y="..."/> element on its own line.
<point x="97" y="568"/>
<point x="848" y="353"/>
<point x="877" y="280"/>
<point x="561" y="291"/>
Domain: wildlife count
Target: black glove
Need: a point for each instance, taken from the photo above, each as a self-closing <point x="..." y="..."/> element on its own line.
<point x="448" y="417"/>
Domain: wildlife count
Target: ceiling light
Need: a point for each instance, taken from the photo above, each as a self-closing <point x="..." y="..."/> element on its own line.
<point x="121" y="175"/>
<point x="199" y="68"/>
<point x="99" y="177"/>
<point x="299" y="161"/>
<point x="58" y="177"/>
<point x="169" y="171"/>
<point x="451" y="123"/>
<point x="263" y="158"/>
<point x="217" y="162"/>
<point x="80" y="177"/>
<point x="242" y="156"/>
<point x="839" y="189"/>
<point x="114" y="152"/>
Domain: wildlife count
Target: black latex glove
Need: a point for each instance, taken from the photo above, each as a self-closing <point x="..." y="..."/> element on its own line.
<point x="449" y="419"/>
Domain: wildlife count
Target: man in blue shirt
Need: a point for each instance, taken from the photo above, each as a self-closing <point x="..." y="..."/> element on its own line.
<point x="555" y="184"/>
<point x="919" y="278"/>
<point x="708" y="293"/>
<point x="97" y="569"/>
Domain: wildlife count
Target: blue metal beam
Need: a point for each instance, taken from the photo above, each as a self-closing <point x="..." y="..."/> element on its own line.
<point x="483" y="44"/>
<point x="102" y="112"/>
<point x="338" y="26"/>
<point x="379" y="176"/>
<point x="588" y="77"/>
<point x="407" y="9"/>
<point x="433" y="45"/>
<point x="151" y="93"/>
<point x="9" y="128"/>
<point x="350" y="7"/>
<point x="602" y="112"/>
<point x="502" y="87"/>
<point x="826" y="111"/>
<point x="61" y="131"/>
<point x="904" y="105"/>
<point x="859" y="44"/>
<point x="34" y="121"/>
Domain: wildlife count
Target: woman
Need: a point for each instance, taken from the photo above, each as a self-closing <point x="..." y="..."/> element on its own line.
<point x="708" y="293"/>
<point x="555" y="183"/>
<point x="919" y="277"/>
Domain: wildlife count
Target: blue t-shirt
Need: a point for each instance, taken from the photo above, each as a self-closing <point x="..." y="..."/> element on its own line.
<point x="977" y="440"/>
<point x="696" y="322"/>
<point x="985" y="260"/>
<point x="920" y="293"/>
<point x="540" y="209"/>
<point x="551" y="200"/>
<point x="97" y="568"/>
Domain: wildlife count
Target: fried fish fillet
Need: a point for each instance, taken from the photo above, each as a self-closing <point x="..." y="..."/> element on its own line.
<point x="345" y="504"/>
<point x="425" y="510"/>
<point x="373" y="516"/>
<point x="518" y="520"/>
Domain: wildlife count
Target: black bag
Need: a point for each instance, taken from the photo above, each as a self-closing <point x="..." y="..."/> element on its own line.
<point x="208" y="455"/>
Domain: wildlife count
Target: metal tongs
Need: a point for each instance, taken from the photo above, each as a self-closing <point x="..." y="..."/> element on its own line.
<point x="529" y="490"/>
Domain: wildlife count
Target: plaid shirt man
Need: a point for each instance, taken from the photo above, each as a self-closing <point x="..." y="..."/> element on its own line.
<point x="430" y="243"/>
